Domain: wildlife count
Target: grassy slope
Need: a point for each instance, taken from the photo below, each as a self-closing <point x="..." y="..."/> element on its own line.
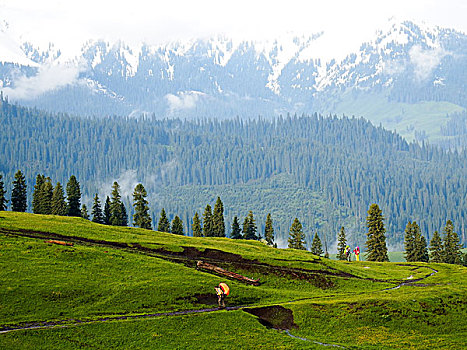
<point x="427" y="116"/>
<point x="51" y="282"/>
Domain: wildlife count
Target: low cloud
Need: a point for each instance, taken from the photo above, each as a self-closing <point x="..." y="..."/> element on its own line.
<point x="48" y="78"/>
<point x="425" y="60"/>
<point x="183" y="100"/>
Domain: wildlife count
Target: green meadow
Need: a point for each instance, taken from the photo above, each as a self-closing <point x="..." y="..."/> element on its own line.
<point x="129" y="288"/>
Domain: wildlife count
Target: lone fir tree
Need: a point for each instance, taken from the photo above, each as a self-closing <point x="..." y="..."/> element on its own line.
<point x="3" y="200"/>
<point x="177" y="226"/>
<point x="37" y="195"/>
<point x="208" y="222"/>
<point x="296" y="236"/>
<point x="141" y="217"/>
<point x="218" y="223"/>
<point x="341" y="244"/>
<point x="316" y="245"/>
<point x="106" y="212"/>
<point x="96" y="211"/>
<point x="269" y="230"/>
<point x="196" y="226"/>
<point x="249" y="227"/>
<point x="436" y="248"/>
<point x="116" y="214"/>
<point x="164" y="224"/>
<point x="451" y="247"/>
<point x="19" y="193"/>
<point x="236" y="231"/>
<point x="376" y="239"/>
<point x="58" y="201"/>
<point x="84" y="212"/>
<point x="73" y="193"/>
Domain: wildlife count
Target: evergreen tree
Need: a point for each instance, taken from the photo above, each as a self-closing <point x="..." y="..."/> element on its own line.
<point x="37" y="195"/>
<point x="436" y="248"/>
<point x="124" y="221"/>
<point x="451" y="246"/>
<point x="236" y="231"/>
<point x="269" y="230"/>
<point x="409" y="243"/>
<point x="3" y="200"/>
<point x="316" y="246"/>
<point x="218" y="223"/>
<point x="107" y="213"/>
<point x="177" y="226"/>
<point x="141" y="216"/>
<point x="341" y="244"/>
<point x="296" y="236"/>
<point x="116" y="215"/>
<point x="196" y="227"/>
<point x="58" y="206"/>
<point x="249" y="227"/>
<point x="19" y="193"/>
<point x="164" y="224"/>
<point x="207" y="222"/>
<point x="376" y="239"/>
<point x="74" y="197"/>
<point x="46" y="196"/>
<point x="84" y="212"/>
<point x="96" y="211"/>
<point x="424" y="256"/>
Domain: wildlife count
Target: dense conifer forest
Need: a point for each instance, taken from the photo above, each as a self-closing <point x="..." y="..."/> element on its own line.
<point x="326" y="171"/>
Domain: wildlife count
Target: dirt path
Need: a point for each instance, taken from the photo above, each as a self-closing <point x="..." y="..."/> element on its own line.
<point x="74" y="322"/>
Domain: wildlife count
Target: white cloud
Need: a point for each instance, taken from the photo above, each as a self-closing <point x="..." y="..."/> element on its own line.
<point x="48" y="78"/>
<point x="425" y="61"/>
<point x="183" y="100"/>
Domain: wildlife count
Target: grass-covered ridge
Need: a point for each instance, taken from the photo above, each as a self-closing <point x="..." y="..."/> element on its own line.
<point x="111" y="272"/>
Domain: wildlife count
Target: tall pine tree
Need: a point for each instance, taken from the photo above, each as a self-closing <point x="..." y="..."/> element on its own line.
<point x="296" y="236"/>
<point x="84" y="212"/>
<point x="141" y="216"/>
<point x="436" y="248"/>
<point x="196" y="226"/>
<point x="218" y="223"/>
<point x="19" y="193"/>
<point x="269" y="230"/>
<point x="37" y="195"/>
<point x="96" y="211"/>
<point x="124" y="221"/>
<point x="376" y="239"/>
<point x="177" y="226"/>
<point x="236" y="231"/>
<point x="73" y="193"/>
<point x="106" y="212"/>
<point x="208" y="222"/>
<point x="409" y="243"/>
<point x="164" y="224"/>
<point x="46" y="196"/>
<point x="116" y="215"/>
<point x="316" y="245"/>
<point x="3" y="200"/>
<point x="249" y="227"/>
<point x="58" y="206"/>
<point x="341" y="244"/>
<point x="451" y="247"/>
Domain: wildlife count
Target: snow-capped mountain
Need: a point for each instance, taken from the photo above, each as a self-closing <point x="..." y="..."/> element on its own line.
<point x="405" y="78"/>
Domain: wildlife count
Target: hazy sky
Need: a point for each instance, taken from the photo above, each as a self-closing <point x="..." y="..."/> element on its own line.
<point x="71" y="21"/>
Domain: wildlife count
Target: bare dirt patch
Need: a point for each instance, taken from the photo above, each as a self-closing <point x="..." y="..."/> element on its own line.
<point x="276" y="316"/>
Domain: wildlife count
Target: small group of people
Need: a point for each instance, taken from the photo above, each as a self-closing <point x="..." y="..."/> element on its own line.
<point x="348" y="254"/>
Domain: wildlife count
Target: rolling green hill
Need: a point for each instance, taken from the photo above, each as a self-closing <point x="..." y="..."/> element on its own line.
<point x="131" y="288"/>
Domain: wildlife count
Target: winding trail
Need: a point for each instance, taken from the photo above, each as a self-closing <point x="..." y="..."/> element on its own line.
<point x="74" y="322"/>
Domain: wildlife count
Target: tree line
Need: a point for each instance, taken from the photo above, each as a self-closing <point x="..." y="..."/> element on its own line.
<point x="446" y="250"/>
<point x="327" y="168"/>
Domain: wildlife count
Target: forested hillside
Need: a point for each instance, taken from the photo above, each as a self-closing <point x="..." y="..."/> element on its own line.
<point x="324" y="170"/>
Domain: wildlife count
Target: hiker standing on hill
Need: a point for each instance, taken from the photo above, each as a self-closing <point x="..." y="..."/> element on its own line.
<point x="348" y="255"/>
<point x="357" y="253"/>
<point x="222" y="291"/>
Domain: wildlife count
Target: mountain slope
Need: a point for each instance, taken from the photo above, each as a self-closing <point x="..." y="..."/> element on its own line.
<point x="405" y="66"/>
